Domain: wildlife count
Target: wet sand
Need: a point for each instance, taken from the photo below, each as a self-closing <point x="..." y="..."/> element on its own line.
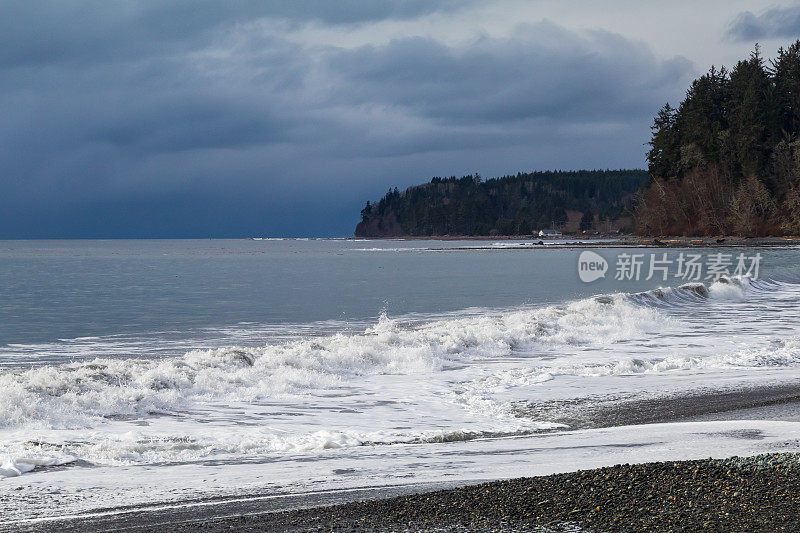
<point x="773" y="402"/>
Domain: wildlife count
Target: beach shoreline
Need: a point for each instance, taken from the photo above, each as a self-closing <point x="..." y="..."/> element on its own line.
<point x="720" y="494"/>
<point x="724" y="376"/>
<point x="735" y="494"/>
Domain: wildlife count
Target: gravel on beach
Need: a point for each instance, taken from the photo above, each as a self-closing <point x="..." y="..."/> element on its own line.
<point x="759" y="493"/>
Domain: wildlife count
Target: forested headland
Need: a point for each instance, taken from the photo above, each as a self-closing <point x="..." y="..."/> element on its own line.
<point x="510" y="205"/>
<point x="727" y="159"/>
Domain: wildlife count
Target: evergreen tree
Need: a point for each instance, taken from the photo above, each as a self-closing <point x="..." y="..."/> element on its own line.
<point x="727" y="160"/>
<point x="511" y="205"/>
<point x="663" y="143"/>
<point x="750" y="112"/>
<point x="587" y="221"/>
<point x="786" y="74"/>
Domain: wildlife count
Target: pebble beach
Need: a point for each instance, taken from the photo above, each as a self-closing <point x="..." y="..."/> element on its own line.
<point x="760" y="493"/>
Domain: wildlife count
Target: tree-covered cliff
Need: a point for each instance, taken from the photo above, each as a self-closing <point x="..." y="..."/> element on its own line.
<point x="727" y="159"/>
<point x="511" y="205"/>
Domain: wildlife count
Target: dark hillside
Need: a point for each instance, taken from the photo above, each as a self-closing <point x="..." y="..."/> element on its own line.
<point x="511" y="205"/>
<point x="727" y="160"/>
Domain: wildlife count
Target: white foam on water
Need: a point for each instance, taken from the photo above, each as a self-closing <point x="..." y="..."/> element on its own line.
<point x="77" y="394"/>
<point x="16" y="465"/>
<point x="454" y="378"/>
<point x="64" y="492"/>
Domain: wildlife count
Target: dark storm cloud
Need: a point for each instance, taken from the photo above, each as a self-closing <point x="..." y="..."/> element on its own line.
<point x="195" y="118"/>
<point x="778" y="22"/>
<point x="543" y="84"/>
<point x="99" y="30"/>
<point x="542" y="71"/>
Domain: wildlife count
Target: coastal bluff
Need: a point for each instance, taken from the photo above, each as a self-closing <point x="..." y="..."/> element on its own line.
<point x="510" y="205"/>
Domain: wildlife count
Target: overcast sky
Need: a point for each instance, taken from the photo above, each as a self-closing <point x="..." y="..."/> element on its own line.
<point x="275" y="118"/>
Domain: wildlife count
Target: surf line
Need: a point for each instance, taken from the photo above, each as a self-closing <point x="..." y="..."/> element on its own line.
<point x="211" y="503"/>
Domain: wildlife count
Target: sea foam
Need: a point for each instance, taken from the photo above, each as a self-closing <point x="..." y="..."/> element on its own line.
<point x="69" y="403"/>
<point x="81" y="394"/>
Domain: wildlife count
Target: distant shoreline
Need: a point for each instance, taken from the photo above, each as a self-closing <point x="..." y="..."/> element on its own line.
<point x="611" y="241"/>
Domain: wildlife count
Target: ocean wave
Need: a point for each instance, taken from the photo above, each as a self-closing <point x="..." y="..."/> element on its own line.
<point x="778" y="353"/>
<point x="235" y="444"/>
<point x="67" y="405"/>
<point x="12" y="465"/>
<point x="81" y="393"/>
<point x="735" y="288"/>
<point x="392" y="249"/>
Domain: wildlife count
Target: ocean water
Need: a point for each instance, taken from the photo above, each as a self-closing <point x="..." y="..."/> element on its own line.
<point x="134" y="372"/>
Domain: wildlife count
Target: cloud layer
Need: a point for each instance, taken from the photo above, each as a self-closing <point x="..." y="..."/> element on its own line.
<point x="777" y="22"/>
<point x="193" y="118"/>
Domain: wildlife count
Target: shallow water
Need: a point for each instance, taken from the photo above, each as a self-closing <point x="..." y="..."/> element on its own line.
<point x="196" y="358"/>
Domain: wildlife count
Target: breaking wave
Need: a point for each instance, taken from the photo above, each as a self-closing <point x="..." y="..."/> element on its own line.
<point x="68" y="403"/>
<point x="725" y="288"/>
<point x="77" y="394"/>
<point x="781" y="353"/>
<point x="134" y="447"/>
<point x="81" y="394"/>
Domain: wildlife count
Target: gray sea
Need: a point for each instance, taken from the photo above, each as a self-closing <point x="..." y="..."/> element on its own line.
<point x="134" y="372"/>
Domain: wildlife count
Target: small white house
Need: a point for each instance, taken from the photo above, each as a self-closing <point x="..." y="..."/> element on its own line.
<point x="549" y="233"/>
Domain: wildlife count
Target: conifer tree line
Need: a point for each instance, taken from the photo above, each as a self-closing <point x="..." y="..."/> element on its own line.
<point x="510" y="205"/>
<point x="727" y="159"/>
